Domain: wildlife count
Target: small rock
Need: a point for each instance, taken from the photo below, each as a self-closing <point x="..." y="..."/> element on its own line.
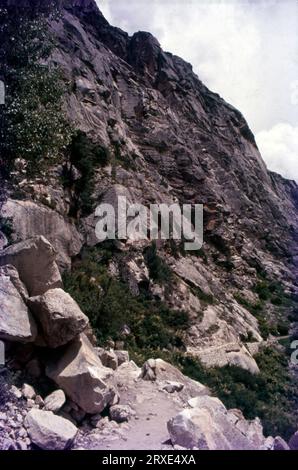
<point x="148" y="370"/>
<point x="268" y="444"/>
<point x="125" y="331"/>
<point x="108" y="358"/>
<point x="22" y="432"/>
<point x="16" y="392"/>
<point x="172" y="387"/>
<point x="116" y="399"/>
<point x="120" y="413"/>
<point x="39" y="401"/>
<point x="55" y="401"/>
<point x="122" y="356"/>
<point x="28" y="392"/>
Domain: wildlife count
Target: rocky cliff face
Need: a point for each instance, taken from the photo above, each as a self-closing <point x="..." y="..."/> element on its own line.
<point x="169" y="139"/>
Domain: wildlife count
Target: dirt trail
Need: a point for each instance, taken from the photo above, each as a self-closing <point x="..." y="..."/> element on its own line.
<point x="148" y="429"/>
<point x="153" y="408"/>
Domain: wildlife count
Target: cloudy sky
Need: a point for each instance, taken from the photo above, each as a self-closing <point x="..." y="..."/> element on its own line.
<point x="246" y="50"/>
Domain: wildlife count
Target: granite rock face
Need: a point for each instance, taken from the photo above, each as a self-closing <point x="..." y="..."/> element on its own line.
<point x="170" y="139"/>
<point x="179" y="142"/>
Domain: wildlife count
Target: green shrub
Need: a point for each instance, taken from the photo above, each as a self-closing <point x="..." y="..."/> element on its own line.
<point x="33" y="125"/>
<point x="158" y="269"/>
<point x="248" y="338"/>
<point x="86" y="156"/>
<point x="109" y="304"/>
<point x="263" y="291"/>
<point x="206" y="299"/>
<point x="257" y="311"/>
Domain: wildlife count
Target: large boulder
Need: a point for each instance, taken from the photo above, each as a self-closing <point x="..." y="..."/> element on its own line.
<point x="280" y="444"/>
<point x="60" y="317"/>
<point x="234" y="354"/>
<point x="209" y="426"/>
<point x="29" y="219"/>
<point x="16" y="322"/>
<point x="48" y="431"/>
<point x="293" y="442"/>
<point x="166" y="374"/>
<point x="35" y="262"/>
<point x="108" y="358"/>
<point x="80" y="373"/>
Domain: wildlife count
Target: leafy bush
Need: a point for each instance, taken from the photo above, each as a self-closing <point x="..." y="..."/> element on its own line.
<point x="262" y="290"/>
<point x="33" y="124"/>
<point x="206" y="299"/>
<point x="257" y="311"/>
<point x="86" y="156"/>
<point x="110" y="305"/>
<point x="158" y="269"/>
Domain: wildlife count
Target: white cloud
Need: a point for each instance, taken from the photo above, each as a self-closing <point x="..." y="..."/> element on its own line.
<point x="279" y="148"/>
<point x="246" y="50"/>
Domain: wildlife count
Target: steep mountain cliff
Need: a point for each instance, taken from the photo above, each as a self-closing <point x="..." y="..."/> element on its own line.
<point x="157" y="134"/>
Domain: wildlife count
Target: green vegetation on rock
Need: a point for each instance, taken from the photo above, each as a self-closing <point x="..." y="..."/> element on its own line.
<point x="110" y="305"/>
<point x="33" y="125"/>
<point x="86" y="156"/>
<point x="158" y="331"/>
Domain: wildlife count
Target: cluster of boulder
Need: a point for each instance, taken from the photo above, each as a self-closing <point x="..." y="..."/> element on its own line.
<point x="36" y="311"/>
<point x="82" y="396"/>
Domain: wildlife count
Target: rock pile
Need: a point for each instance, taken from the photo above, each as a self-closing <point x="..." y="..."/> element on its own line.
<point x="34" y="309"/>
